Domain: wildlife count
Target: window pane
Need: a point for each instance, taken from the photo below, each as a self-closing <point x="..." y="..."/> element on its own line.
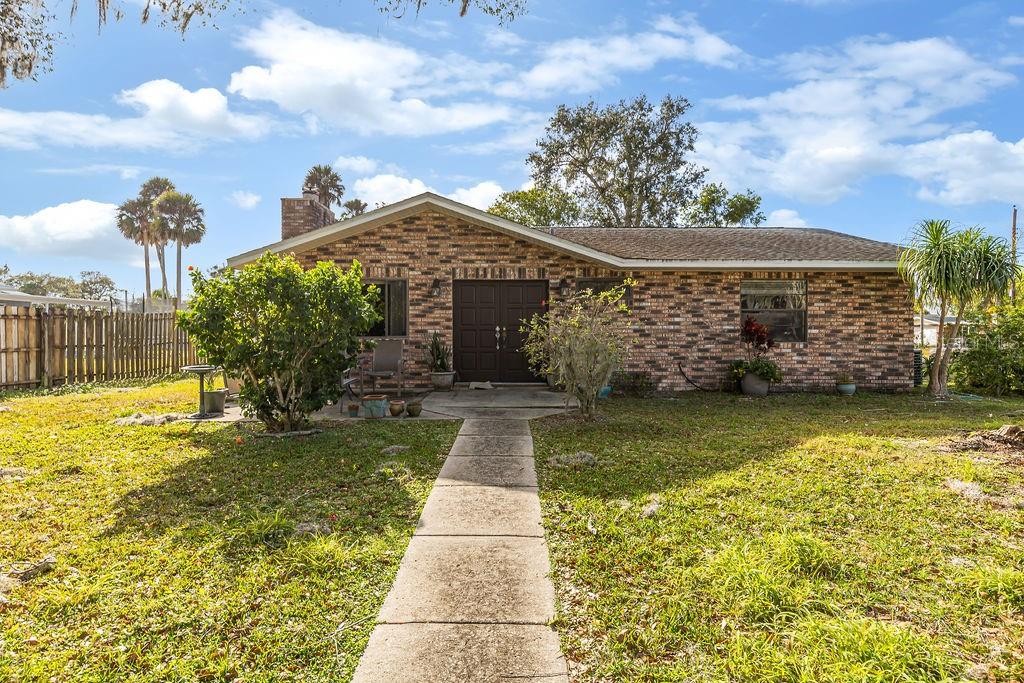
<point x="397" y="308"/>
<point x="780" y="305"/>
<point x="379" y="328"/>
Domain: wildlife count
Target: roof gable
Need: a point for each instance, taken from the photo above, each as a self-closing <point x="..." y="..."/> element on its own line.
<point x="632" y="248"/>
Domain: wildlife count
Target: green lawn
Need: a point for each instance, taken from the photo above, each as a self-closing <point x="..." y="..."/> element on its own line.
<point x="798" y="538"/>
<point x="177" y="557"/>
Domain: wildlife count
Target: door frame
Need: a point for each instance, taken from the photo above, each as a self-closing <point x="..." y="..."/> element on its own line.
<point x="499" y="284"/>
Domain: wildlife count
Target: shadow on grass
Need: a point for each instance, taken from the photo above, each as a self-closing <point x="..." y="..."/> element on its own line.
<point x="250" y="497"/>
<point x="645" y="446"/>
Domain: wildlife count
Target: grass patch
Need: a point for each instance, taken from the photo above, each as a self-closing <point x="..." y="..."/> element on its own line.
<point x="801" y="538"/>
<point x="183" y="555"/>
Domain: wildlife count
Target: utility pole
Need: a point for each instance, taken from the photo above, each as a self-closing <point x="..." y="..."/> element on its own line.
<point x="1013" y="248"/>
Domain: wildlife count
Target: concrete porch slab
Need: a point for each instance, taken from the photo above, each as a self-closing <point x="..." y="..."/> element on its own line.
<point x="460" y="412"/>
<point x="476" y="426"/>
<point x="456" y="653"/>
<point x="481" y="511"/>
<point x="493" y="445"/>
<point x="472" y="579"/>
<point x="487" y="470"/>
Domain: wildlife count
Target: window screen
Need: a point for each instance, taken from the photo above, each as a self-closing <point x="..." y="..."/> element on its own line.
<point x="780" y="305"/>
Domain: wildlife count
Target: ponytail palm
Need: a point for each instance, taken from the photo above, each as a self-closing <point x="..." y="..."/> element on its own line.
<point x="955" y="271"/>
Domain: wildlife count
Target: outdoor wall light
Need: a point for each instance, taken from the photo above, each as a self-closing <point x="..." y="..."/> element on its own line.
<point x="435" y="287"/>
<point x="563" y="287"/>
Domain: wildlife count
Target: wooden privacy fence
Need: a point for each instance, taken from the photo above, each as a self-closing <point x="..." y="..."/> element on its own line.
<point x="42" y="347"/>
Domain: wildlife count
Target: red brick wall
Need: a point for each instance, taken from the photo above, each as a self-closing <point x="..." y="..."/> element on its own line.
<point x="300" y="215"/>
<point x="860" y="321"/>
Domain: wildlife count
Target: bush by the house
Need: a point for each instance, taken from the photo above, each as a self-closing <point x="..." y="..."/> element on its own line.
<point x="289" y="333"/>
<point x="758" y="342"/>
<point x="993" y="360"/>
<point x="580" y="342"/>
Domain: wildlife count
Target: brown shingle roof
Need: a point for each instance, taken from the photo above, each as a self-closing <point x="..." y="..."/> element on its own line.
<point x="760" y="244"/>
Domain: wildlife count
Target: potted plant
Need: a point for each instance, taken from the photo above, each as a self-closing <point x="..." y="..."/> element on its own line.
<point x="845" y="383"/>
<point x="441" y="376"/>
<point x="396" y="407"/>
<point x="413" y="409"/>
<point x="758" y="372"/>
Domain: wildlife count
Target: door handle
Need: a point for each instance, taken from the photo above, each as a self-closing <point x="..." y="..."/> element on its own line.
<point x="497" y="337"/>
<point x="504" y="336"/>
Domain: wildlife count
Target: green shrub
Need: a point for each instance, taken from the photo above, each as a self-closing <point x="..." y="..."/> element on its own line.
<point x="998" y="584"/>
<point x="289" y="333"/>
<point x="993" y="361"/>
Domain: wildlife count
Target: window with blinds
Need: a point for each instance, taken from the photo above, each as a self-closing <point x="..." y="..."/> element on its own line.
<point x="780" y="305"/>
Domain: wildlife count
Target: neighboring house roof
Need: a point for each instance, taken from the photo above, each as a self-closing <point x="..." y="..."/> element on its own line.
<point x="13" y="296"/>
<point x="634" y="248"/>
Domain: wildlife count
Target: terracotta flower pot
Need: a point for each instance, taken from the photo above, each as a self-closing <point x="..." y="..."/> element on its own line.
<point x="396" y="408"/>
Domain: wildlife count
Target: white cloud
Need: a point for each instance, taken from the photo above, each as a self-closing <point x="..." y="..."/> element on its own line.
<point x="124" y="172"/>
<point x="503" y="40"/>
<point x="785" y="218"/>
<point x="965" y="168"/>
<point x="80" y="229"/>
<point x="1016" y="21"/>
<point x="357" y="164"/>
<point x="244" y="200"/>
<point x="857" y="112"/>
<point x="480" y="196"/>
<point x="362" y="83"/>
<point x="170" y="116"/>
<point x="585" y="64"/>
<point x="388" y="188"/>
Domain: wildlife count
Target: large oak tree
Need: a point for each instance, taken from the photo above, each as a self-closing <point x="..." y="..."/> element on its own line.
<point x="627" y="163"/>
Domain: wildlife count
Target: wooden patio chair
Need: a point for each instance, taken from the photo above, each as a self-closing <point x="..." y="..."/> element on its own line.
<point x="386" y="362"/>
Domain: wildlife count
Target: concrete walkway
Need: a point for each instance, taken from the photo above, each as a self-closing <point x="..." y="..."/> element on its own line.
<point x="472" y="599"/>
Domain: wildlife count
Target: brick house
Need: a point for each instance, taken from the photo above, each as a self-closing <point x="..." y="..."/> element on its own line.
<point x="833" y="301"/>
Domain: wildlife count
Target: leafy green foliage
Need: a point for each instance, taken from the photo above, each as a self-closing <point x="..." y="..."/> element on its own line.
<point x="354" y="207"/>
<point x="993" y="361"/>
<point x="626" y="164"/>
<point x="956" y="271"/>
<point x="758" y="342"/>
<point x="289" y="333"/>
<point x="715" y="207"/>
<point x="537" y="207"/>
<point x="580" y="342"/>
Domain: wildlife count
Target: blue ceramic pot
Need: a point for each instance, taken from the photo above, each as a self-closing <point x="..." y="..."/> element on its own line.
<point x="846" y="389"/>
<point x="376" y="405"/>
<point x="605" y="392"/>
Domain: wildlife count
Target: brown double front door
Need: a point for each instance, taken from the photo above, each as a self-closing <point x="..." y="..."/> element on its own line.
<point x="487" y="317"/>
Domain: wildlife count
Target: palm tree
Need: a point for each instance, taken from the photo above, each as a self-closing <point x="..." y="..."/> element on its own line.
<point x="354" y="207"/>
<point x="955" y="271"/>
<point x="326" y="182"/>
<point x="182" y="218"/>
<point x="150" y="190"/>
<point x="133" y="220"/>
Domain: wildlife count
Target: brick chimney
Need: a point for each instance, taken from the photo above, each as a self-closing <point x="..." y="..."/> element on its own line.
<point x="301" y="215"/>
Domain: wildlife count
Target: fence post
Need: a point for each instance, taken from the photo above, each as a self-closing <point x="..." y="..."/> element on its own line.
<point x="44" y="322"/>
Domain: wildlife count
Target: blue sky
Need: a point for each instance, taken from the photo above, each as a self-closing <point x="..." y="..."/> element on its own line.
<point x="858" y="115"/>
